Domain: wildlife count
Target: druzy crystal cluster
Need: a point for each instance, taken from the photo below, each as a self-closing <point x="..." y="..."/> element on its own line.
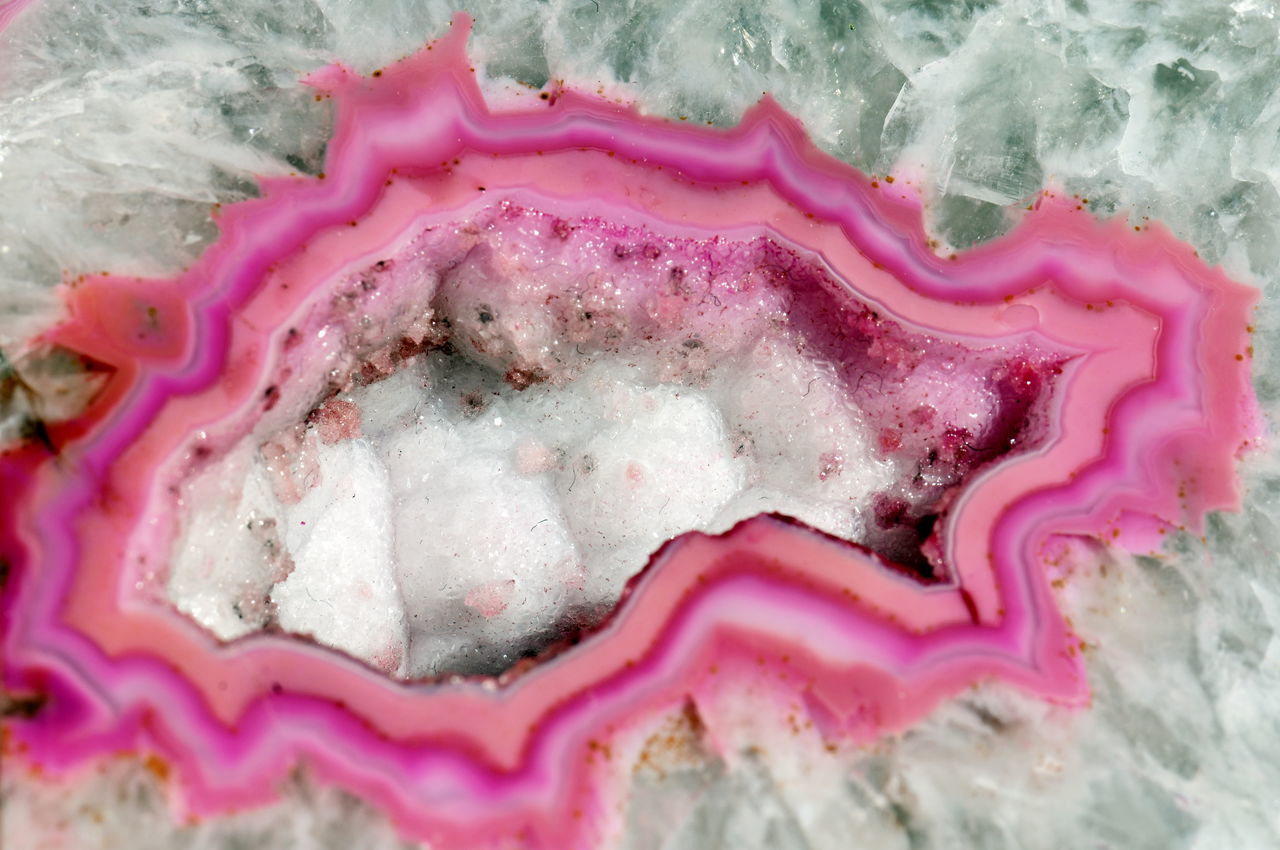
<point x="532" y="441"/>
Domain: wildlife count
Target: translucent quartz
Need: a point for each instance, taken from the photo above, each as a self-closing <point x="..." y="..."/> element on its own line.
<point x="1137" y="352"/>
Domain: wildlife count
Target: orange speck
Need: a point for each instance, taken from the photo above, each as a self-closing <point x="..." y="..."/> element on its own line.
<point x="157" y="766"/>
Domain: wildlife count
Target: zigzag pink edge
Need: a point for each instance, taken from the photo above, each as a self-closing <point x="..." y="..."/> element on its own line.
<point x="1152" y="410"/>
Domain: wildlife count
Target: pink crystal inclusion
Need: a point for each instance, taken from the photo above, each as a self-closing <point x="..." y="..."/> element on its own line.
<point x="1137" y="354"/>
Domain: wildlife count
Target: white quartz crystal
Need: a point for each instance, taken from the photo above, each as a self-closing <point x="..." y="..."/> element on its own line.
<point x="470" y="523"/>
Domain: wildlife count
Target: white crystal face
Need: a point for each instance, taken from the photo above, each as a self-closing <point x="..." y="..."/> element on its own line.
<point x="442" y="520"/>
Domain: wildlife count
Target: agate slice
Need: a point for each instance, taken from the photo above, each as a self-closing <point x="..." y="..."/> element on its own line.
<point x="450" y="471"/>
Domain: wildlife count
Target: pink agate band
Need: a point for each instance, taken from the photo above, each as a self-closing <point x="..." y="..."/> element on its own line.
<point x="1151" y="412"/>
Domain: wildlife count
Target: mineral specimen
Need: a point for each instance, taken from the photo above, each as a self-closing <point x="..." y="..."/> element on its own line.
<point x="372" y="485"/>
